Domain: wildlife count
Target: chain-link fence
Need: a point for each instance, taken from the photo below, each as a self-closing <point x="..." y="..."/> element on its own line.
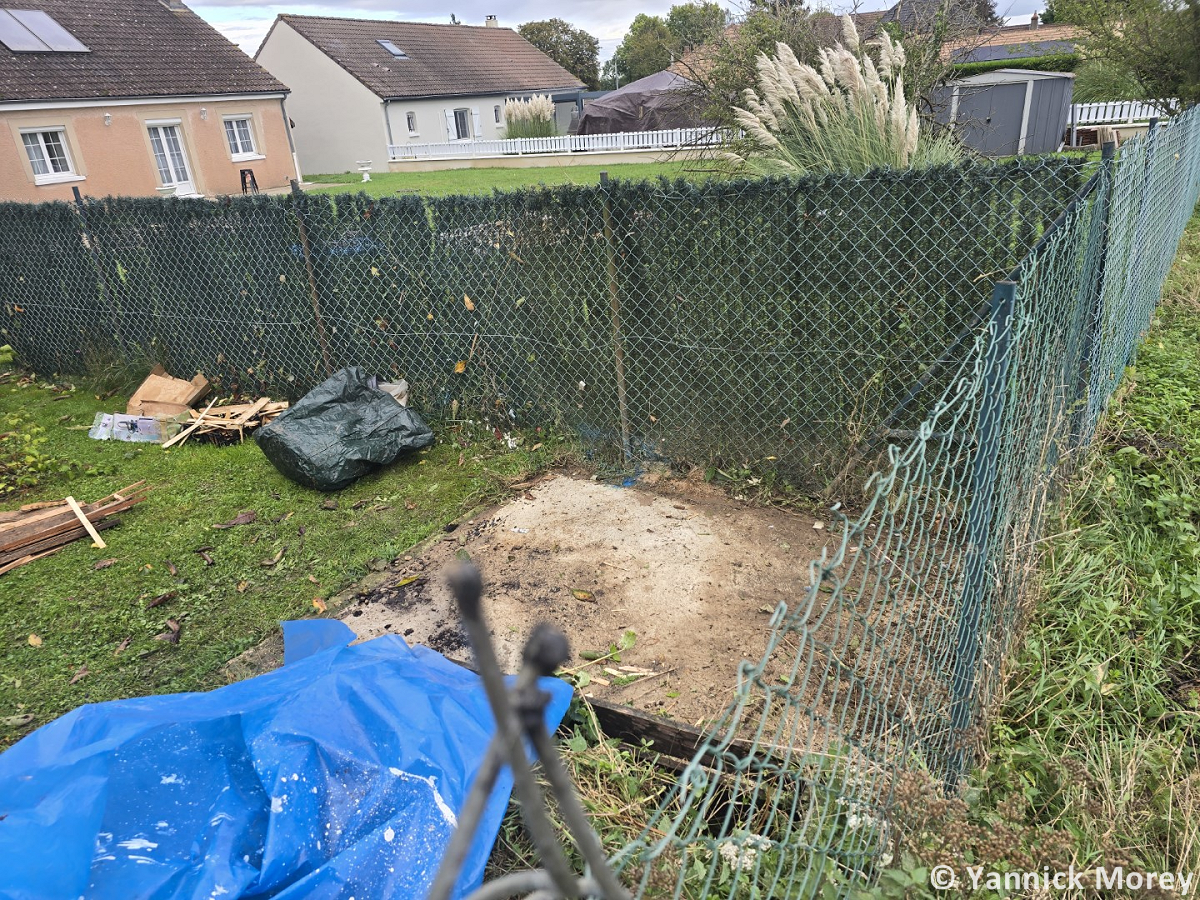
<point x="766" y="325"/>
<point x="972" y="322"/>
<point x="885" y="666"/>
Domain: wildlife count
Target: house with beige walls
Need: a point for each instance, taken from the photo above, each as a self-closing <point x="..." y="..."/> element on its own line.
<point x="361" y="88"/>
<point x="132" y="98"/>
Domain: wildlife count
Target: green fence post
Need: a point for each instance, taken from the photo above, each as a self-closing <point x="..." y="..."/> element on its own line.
<point x="614" y="306"/>
<point x="1084" y="388"/>
<point x="980" y="524"/>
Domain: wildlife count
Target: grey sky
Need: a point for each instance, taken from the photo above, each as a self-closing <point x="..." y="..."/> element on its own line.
<point x="246" y="21"/>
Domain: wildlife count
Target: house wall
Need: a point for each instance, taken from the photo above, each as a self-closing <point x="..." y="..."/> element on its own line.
<point x="338" y="120"/>
<point x="116" y="158"/>
<point x="431" y="118"/>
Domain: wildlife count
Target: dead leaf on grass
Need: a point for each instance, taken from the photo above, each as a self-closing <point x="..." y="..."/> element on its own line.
<point x="104" y="563"/>
<point x="81" y="672"/>
<point x="408" y="505"/>
<point x="319" y="604"/>
<point x="124" y="645"/>
<point x="161" y="599"/>
<point x="245" y="517"/>
<point x="171" y="568"/>
<point x="16" y="721"/>
<point x="329" y="504"/>
<point x="208" y="560"/>
<point x="171" y="636"/>
<point x="35" y="641"/>
<point x="241" y="586"/>
<point x="274" y="560"/>
<point x="313" y="579"/>
<point x="283" y="517"/>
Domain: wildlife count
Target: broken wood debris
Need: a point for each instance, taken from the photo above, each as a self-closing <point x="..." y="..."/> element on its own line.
<point x="236" y="419"/>
<point x="46" y="528"/>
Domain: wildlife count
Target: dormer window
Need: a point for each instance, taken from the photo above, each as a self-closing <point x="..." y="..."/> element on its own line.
<point x="32" y="31"/>
<point x="392" y="49"/>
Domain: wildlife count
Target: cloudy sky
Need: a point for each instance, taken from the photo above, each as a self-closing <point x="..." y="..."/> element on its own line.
<point x="246" y="21"/>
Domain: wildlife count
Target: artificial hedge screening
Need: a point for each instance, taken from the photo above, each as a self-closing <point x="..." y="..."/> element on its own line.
<point x="769" y="322"/>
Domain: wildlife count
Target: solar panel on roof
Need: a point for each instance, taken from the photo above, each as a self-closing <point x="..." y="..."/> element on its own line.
<point x="48" y="31"/>
<point x="33" y="31"/>
<point x="17" y="37"/>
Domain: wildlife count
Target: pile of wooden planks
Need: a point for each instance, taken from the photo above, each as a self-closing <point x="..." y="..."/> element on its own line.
<point x="230" y="421"/>
<point x="40" y="529"/>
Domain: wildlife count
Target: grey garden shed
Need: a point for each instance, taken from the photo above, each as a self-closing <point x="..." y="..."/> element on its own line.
<point x="1008" y="111"/>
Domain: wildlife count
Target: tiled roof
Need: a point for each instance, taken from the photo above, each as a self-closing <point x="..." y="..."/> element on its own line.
<point x="442" y="59"/>
<point x="1017" y="40"/>
<point x="138" y="48"/>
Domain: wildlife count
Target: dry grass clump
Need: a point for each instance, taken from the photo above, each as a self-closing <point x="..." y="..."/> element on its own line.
<point x="531" y="117"/>
<point x="847" y="114"/>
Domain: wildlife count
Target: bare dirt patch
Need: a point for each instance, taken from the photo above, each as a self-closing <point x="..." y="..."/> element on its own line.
<point x="695" y="574"/>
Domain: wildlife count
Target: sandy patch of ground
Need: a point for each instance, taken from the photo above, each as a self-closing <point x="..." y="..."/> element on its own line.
<point x="695" y="574"/>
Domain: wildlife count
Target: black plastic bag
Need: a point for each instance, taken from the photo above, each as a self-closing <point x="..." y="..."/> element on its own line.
<point x="341" y="430"/>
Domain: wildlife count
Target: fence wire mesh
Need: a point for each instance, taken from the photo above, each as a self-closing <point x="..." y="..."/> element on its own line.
<point x="765" y="325"/>
<point x="971" y="322"/>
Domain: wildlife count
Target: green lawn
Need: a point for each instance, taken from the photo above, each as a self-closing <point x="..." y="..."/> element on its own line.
<point x="82" y="615"/>
<point x="484" y="181"/>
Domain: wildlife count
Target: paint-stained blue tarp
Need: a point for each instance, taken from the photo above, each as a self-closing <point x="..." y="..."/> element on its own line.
<point x="336" y="776"/>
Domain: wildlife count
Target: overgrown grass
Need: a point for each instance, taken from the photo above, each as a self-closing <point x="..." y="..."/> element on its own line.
<point x="83" y="615"/>
<point x="484" y="181"/>
<point x="1092" y="758"/>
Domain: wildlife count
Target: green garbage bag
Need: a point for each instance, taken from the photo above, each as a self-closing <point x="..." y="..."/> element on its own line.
<point x="341" y="430"/>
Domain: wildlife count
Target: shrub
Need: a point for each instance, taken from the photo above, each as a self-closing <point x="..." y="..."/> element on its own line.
<point x="848" y="115"/>
<point x="533" y="117"/>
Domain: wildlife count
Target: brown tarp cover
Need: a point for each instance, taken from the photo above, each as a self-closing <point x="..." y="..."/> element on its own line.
<point x="662" y="100"/>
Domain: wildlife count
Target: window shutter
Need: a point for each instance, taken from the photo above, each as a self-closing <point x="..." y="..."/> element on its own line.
<point x="450" y="135"/>
<point x="478" y="125"/>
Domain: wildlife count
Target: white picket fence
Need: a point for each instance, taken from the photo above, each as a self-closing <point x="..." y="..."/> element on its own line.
<point x="669" y="139"/>
<point x="1119" y="112"/>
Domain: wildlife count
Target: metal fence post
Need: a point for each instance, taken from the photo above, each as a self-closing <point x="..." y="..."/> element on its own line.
<point x="302" y="226"/>
<point x="1089" y="352"/>
<point x="614" y="305"/>
<point x="980" y="523"/>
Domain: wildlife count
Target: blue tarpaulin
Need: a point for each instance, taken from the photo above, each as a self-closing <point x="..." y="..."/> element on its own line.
<point x="336" y="776"/>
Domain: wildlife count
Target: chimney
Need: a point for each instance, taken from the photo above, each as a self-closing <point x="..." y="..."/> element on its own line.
<point x="1033" y="22"/>
<point x="491" y="22"/>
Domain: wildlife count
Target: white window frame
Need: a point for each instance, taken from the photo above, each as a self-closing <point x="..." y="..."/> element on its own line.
<point x="466" y="117"/>
<point x="190" y="183"/>
<point x="241" y="155"/>
<point x="410" y="119"/>
<point x="50" y="177"/>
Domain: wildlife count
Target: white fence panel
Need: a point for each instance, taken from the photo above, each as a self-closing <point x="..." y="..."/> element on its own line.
<point x="1119" y="112"/>
<point x="576" y="143"/>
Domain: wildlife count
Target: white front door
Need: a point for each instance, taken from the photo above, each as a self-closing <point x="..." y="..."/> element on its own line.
<point x="172" y="164"/>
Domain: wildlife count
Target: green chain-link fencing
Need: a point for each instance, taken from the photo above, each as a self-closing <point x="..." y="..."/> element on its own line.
<point x="965" y="326"/>
<point x="770" y="325"/>
<point x="885" y="665"/>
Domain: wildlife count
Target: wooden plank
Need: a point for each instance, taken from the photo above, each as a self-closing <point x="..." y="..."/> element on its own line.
<point x="97" y="541"/>
<point x="632" y="726"/>
<point x="12" y="533"/>
<point x="58" y="540"/>
<point x="186" y="433"/>
<point x="94" y="512"/>
<point x="25" y="560"/>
